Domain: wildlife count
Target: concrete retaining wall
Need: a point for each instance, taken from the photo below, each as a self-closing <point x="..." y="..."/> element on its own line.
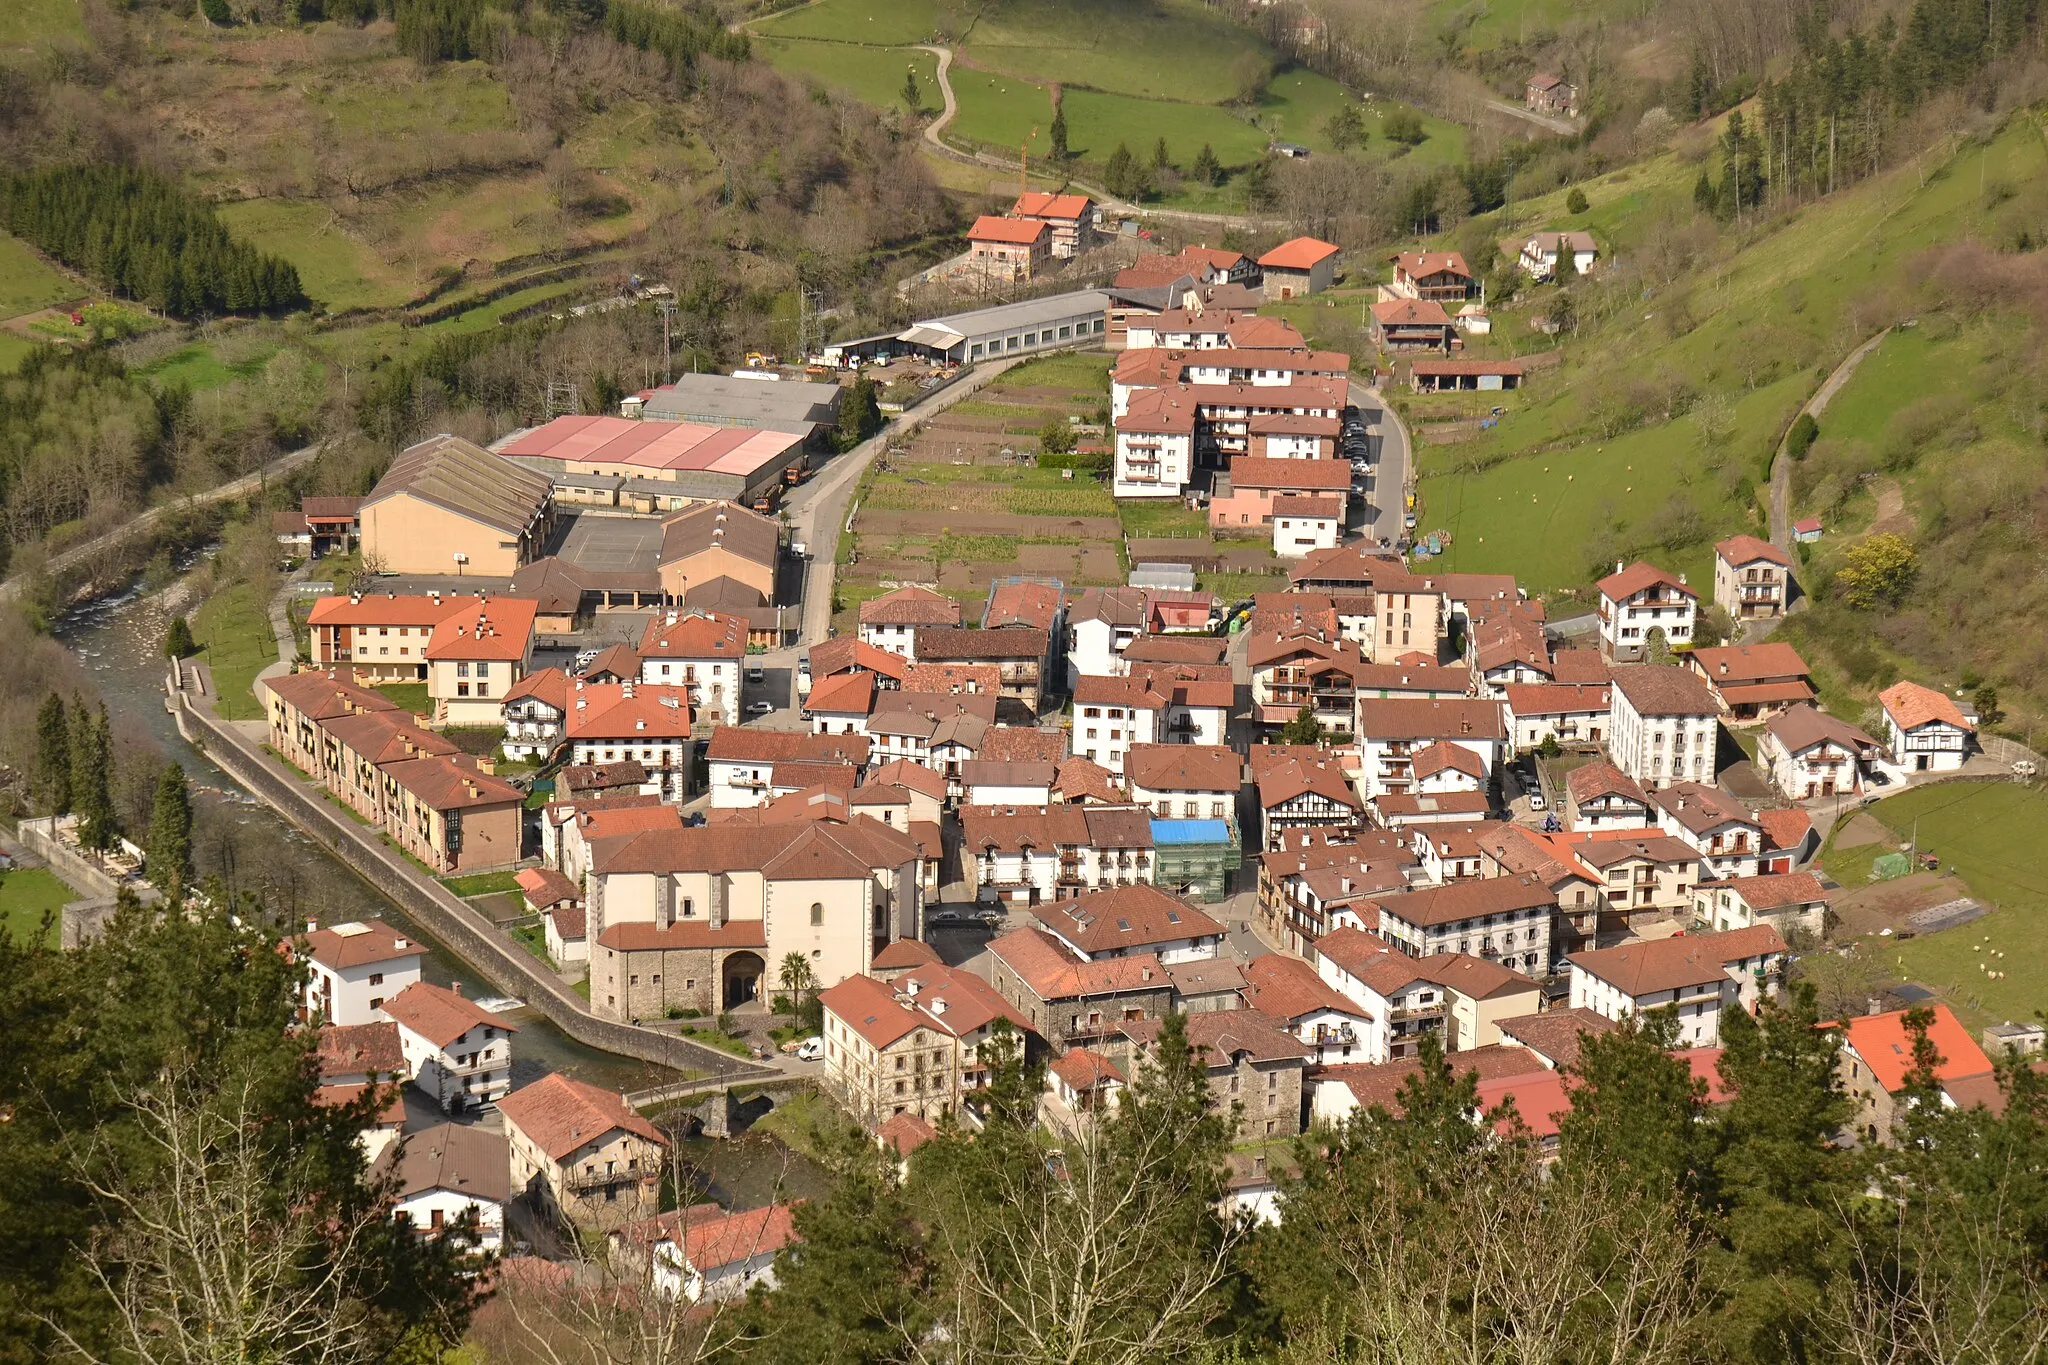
<point x="467" y="934"/>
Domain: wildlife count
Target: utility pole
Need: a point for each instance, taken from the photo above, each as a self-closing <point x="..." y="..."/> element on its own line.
<point x="668" y="369"/>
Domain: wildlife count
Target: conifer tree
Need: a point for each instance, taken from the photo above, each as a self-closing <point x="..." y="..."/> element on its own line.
<point x="178" y="641"/>
<point x="1058" y="133"/>
<point x="1207" y="169"/>
<point x="53" y="756"/>
<point x="91" y="778"/>
<point x="169" y="863"/>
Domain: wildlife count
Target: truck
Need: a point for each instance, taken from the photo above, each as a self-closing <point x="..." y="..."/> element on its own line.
<point x="799" y="549"/>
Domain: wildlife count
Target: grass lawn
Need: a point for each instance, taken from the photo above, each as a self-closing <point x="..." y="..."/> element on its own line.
<point x="198" y="367"/>
<point x="725" y="1042"/>
<point x="1086" y="371"/>
<point x="804" y="1121"/>
<point x="411" y="696"/>
<point x="337" y="271"/>
<point x="27" y="282"/>
<point x="27" y="22"/>
<point x="1990" y="834"/>
<point x="857" y="21"/>
<point x="1160" y="517"/>
<point x="26" y="894"/>
<point x="534" y="939"/>
<point x="1235" y="587"/>
<point x="233" y="630"/>
<point x="13" y="350"/>
<point x="873" y="75"/>
<point x="483" y="884"/>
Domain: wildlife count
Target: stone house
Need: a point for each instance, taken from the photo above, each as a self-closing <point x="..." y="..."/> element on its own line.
<point x="1255" y="1067"/>
<point x="582" y="1154"/>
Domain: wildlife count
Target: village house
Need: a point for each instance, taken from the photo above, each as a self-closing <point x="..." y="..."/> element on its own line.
<point x="1302" y="788"/>
<point x="1790" y="902"/>
<point x="1253" y="1063"/>
<point x="302" y="710"/>
<point x="941" y="733"/>
<point x="1306" y="891"/>
<point x="1544" y="254"/>
<point x="1548" y="94"/>
<point x="1101" y="624"/>
<point x="1325" y="1020"/>
<point x="1130" y="921"/>
<point x="460" y="1054"/>
<point x="1297" y="268"/>
<point x="892" y="621"/>
<point x="1752" y="578"/>
<point x="1208" y="326"/>
<point x="1112" y="714"/>
<point x="1008" y="784"/>
<point x="1080" y="1085"/>
<point x="742" y="760"/>
<point x="1924" y="728"/>
<point x="1640" y="598"/>
<point x="1573" y="713"/>
<point x="1155" y="444"/>
<point x="1404" y="325"/>
<point x="381" y="637"/>
<point x="1069" y="220"/>
<point x="1449" y="850"/>
<point x="451" y="1177"/>
<point x="1399" y="1003"/>
<point x="582" y="1154"/>
<point x="1019" y="653"/>
<point x="701" y="653"/>
<point x="703" y="1254"/>
<point x="1409" y="611"/>
<point x="1186" y="781"/>
<point x="1245" y="498"/>
<point x="1438" y="276"/>
<point x="1643" y="873"/>
<point x="651" y="725"/>
<point x="1723" y="831"/>
<point x="1478" y="995"/>
<point x="1024" y="855"/>
<point x="1504" y="919"/>
<point x="476" y="656"/>
<point x="911" y="1046"/>
<point x="1810" y="754"/>
<point x="680" y="917"/>
<point x="1663" y="726"/>
<point x="1072" y="1001"/>
<point x="1600" y="796"/>
<point x="1302" y="525"/>
<point x="1751" y="682"/>
<point x="1200" y="369"/>
<point x="1700" y="975"/>
<point x="1554" y="1036"/>
<point x="353" y="968"/>
<point x="559" y="903"/>
<point x="1009" y="248"/>
<point x="1507" y="645"/>
<point x="1875" y="1063"/>
<point x="1392" y="732"/>
<point x="533" y="711"/>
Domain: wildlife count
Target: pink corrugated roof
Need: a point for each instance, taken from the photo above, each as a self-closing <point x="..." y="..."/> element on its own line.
<point x="653" y="445"/>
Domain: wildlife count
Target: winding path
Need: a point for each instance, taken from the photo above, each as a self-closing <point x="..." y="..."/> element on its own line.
<point x="1781" y="464"/>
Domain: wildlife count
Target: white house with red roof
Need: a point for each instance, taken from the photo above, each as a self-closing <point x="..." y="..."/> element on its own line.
<point x="1925" y="729"/>
<point x="1784" y="900"/>
<point x="1302" y="525"/>
<point x="1292" y="992"/>
<point x="354" y="968"/>
<point x="1638" y="598"/>
<point x="1699" y="974"/>
<point x="380" y="637"/>
<point x="1300" y="266"/>
<point x="532" y="712"/>
<point x="911" y="1045"/>
<point x="460" y="1054"/>
<point x="608" y="722"/>
<point x="1439" y="276"/>
<point x="891" y="621"/>
<point x="1876" y="1062"/>
<point x="1752" y="578"/>
<point x="1155" y="444"/>
<point x="703" y="1253"/>
<point x="700" y="652"/>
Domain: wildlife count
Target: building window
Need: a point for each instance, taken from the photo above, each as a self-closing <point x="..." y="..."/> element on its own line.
<point x="817" y="913"/>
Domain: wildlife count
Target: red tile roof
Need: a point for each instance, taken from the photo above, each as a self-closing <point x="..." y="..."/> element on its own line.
<point x="1288" y="988"/>
<point x="1379" y="1083"/>
<point x="499" y="628"/>
<point x="1302" y="253"/>
<point x="1410" y="313"/>
<point x="906" y="1132"/>
<point x="1626" y="583"/>
<point x="1417" y="264"/>
<point x="1123" y="919"/>
<point x="1668" y="964"/>
<point x="1912" y="705"/>
<point x="851" y="694"/>
<point x="708" y="635"/>
<point x="559" y="1114"/>
<point x="911" y="606"/>
<point x="1036" y="204"/>
<point x="1084" y="1069"/>
<point x="1260" y="471"/>
<point x="438" y="1014"/>
<point x="358" y="1049"/>
<point x="1055" y="972"/>
<point x="1749" y="663"/>
<point x="991" y="227"/>
<point x="1184" y="767"/>
<point x="1785" y="829"/>
<point x="357" y="944"/>
<point x="1556" y="1033"/>
<point x="544" y="886"/>
<point x="1885" y="1046"/>
<point x="1741" y="550"/>
<point x="738" y="1237"/>
<point x="907" y="952"/>
<point x="1665" y="690"/>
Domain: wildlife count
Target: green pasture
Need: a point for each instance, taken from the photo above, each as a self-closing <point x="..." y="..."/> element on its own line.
<point x="27" y="282"/>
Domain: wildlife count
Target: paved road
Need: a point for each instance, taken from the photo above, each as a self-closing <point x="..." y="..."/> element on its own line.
<point x="142" y="521"/>
<point x="1393" y="469"/>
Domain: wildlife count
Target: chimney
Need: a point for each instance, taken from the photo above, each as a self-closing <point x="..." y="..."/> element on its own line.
<point x="1145" y="973"/>
<point x="456" y="987"/>
<point x="312" y="925"/>
<point x="1617" y="566"/>
<point x="937" y="1007"/>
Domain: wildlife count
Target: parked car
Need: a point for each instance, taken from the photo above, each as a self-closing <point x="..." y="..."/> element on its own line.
<point x="942" y="916"/>
<point x="1535" y="800"/>
<point x="755" y="673"/>
<point x="991" y="919"/>
<point x="760" y="708"/>
<point x="811" y="1050"/>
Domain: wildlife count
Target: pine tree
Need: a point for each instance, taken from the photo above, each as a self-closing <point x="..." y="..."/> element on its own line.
<point x="1058" y="133"/>
<point x="1304" y="728"/>
<point x="178" y="641"/>
<point x="1636" y="1111"/>
<point x="169" y="863"/>
<point x="91" y="781"/>
<point x="1160" y="160"/>
<point x="1207" y="169"/>
<point x="53" y="756"/>
<point x="1119" y="173"/>
<point x="911" y="95"/>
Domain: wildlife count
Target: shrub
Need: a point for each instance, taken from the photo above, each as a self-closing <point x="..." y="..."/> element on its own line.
<point x="1800" y="439"/>
<point x="1575" y="202"/>
<point x="728" y="1024"/>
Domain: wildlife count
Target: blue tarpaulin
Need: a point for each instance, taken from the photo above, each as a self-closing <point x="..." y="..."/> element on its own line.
<point x="1190" y="832"/>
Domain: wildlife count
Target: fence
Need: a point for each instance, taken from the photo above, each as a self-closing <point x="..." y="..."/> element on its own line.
<point x="463" y="931"/>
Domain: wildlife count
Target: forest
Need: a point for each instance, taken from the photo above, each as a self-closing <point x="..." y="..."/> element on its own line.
<point x="143" y="237"/>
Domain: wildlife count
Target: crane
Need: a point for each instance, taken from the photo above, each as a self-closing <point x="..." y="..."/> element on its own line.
<point x="1024" y="163"/>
